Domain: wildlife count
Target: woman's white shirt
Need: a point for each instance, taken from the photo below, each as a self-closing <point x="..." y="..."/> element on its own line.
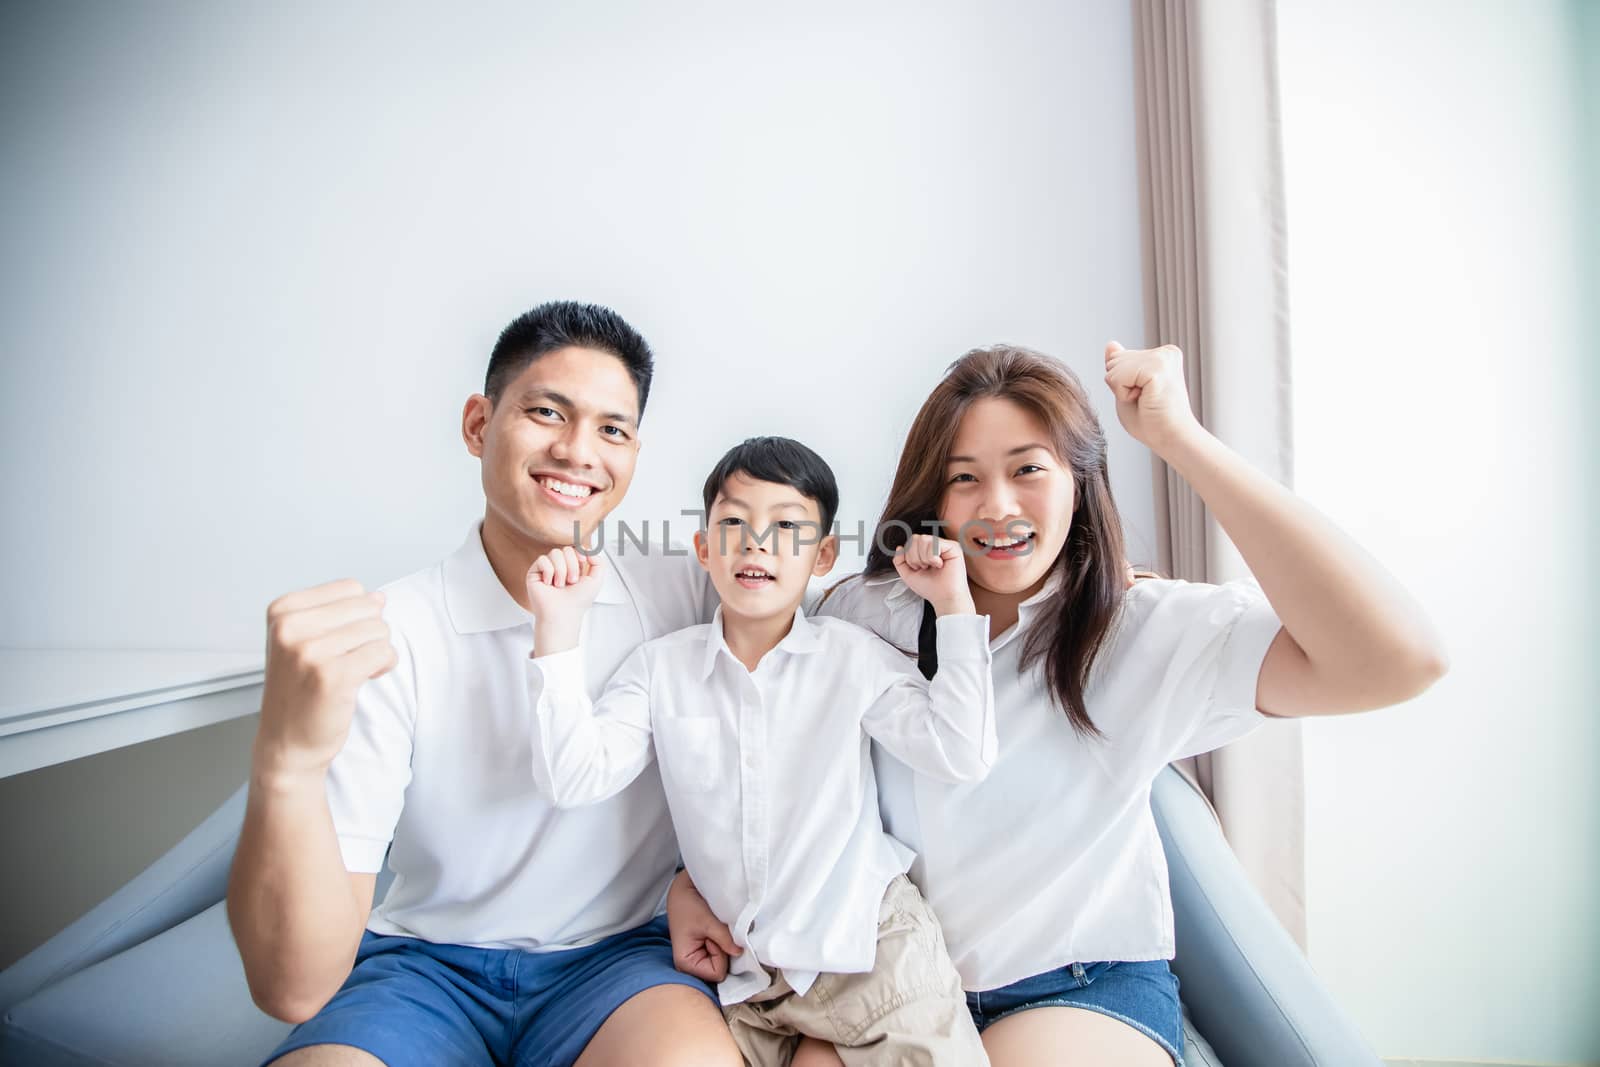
<point x="1054" y="857"/>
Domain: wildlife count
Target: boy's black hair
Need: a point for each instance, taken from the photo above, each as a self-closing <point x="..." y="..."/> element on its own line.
<point x="785" y="462"/>
<point x="564" y="324"/>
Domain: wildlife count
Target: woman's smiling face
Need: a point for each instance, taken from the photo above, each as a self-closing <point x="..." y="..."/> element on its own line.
<point x="1008" y="498"/>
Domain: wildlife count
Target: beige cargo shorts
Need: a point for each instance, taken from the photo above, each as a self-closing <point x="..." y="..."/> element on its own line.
<point x="908" y="1011"/>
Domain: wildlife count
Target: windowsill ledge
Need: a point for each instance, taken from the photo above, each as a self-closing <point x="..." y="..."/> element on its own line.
<point x="58" y="704"/>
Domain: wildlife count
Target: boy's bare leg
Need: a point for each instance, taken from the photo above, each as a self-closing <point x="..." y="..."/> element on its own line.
<point x="815" y="1053"/>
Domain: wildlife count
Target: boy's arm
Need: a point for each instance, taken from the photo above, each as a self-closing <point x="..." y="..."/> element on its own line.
<point x="944" y="728"/>
<point x="581" y="753"/>
<point x="584" y="752"/>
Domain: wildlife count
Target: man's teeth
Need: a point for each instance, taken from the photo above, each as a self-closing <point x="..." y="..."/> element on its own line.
<point x="566" y="488"/>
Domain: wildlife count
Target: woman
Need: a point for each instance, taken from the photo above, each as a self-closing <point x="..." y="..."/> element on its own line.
<point x="1048" y="877"/>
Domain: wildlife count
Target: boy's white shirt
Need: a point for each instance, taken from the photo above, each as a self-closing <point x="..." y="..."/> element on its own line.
<point x="768" y="774"/>
<point x="435" y="770"/>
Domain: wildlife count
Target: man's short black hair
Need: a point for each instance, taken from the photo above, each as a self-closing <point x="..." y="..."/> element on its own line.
<point x="783" y="461"/>
<point x="565" y="324"/>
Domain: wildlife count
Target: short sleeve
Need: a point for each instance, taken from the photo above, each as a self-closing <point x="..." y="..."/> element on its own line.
<point x="368" y="778"/>
<point x="1245" y="626"/>
<point x="1231" y="712"/>
<point x="1179" y="675"/>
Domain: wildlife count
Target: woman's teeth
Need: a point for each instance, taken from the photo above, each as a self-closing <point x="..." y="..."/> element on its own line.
<point x="1006" y="542"/>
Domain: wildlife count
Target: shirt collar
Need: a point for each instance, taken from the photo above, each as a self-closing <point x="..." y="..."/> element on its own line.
<point x="476" y="601"/>
<point x="803" y="637"/>
<point x="1052" y="585"/>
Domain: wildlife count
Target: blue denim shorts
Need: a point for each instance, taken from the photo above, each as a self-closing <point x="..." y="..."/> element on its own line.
<point x="1143" y="995"/>
<point x="412" y="1002"/>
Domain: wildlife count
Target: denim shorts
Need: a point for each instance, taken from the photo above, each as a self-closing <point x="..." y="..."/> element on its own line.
<point x="1143" y="995"/>
<point x="412" y="1002"/>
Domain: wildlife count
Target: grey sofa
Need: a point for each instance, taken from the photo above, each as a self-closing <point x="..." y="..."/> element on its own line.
<point x="151" y="976"/>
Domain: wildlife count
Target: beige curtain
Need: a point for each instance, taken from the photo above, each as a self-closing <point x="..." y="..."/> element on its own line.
<point x="1210" y="163"/>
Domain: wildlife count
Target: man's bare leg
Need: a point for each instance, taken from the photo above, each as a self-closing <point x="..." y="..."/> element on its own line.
<point x="665" y="1026"/>
<point x="328" y="1056"/>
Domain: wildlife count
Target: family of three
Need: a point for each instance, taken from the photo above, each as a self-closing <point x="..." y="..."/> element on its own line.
<point x="703" y="808"/>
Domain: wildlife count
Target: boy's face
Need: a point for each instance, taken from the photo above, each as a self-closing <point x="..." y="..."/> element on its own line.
<point x="559" y="446"/>
<point x="761" y="546"/>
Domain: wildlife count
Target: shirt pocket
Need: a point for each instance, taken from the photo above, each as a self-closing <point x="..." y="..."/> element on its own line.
<point x="689" y="750"/>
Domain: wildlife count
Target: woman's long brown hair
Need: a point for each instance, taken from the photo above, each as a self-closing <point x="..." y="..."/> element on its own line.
<point x="1073" y="628"/>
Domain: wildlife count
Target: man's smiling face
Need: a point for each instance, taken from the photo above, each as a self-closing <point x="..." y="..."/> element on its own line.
<point x="559" y="446"/>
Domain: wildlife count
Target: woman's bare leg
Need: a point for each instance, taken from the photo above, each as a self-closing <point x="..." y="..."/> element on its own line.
<point x="1041" y="1037"/>
<point x="1069" y="1037"/>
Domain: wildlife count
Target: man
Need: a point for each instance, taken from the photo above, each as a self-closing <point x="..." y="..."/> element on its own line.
<point x="397" y="723"/>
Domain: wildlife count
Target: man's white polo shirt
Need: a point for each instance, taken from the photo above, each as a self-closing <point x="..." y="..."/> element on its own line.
<point x="436" y="771"/>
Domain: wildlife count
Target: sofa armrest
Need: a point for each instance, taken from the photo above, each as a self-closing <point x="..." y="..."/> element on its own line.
<point x="190" y="877"/>
<point x="1247" y="986"/>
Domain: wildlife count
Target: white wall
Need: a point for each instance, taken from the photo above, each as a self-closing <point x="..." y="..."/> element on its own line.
<point x="256" y="256"/>
<point x="1454" y="843"/>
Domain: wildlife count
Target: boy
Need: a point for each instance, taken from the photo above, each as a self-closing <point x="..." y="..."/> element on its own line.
<point x="760" y="723"/>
